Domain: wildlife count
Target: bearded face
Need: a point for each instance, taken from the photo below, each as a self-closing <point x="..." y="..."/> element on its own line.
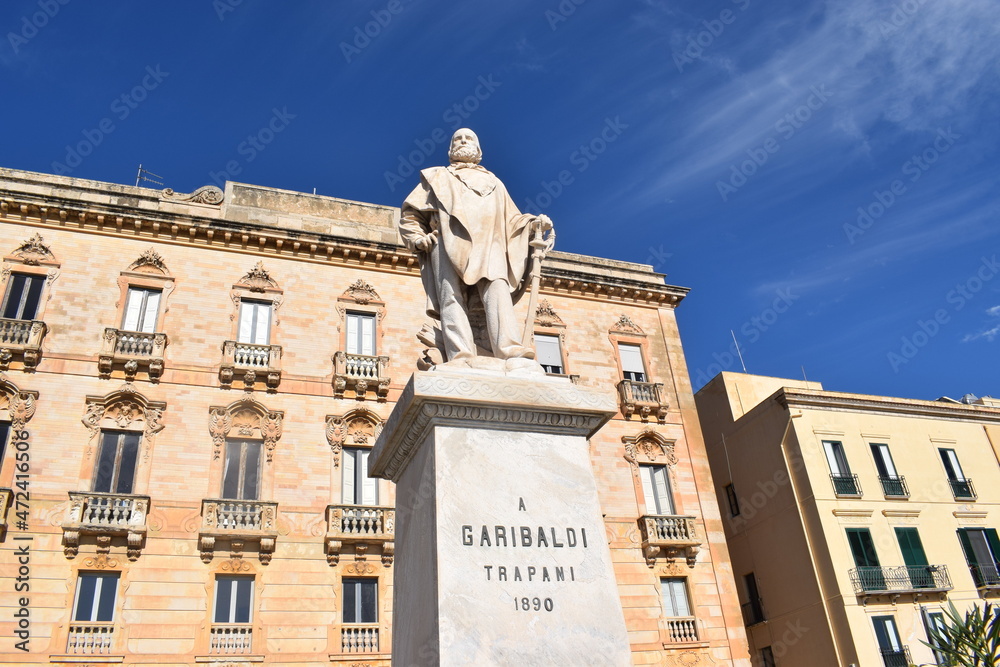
<point x="465" y="147"/>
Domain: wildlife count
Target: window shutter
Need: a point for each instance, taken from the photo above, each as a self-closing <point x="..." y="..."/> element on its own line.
<point x="912" y="548"/>
<point x="349" y="466"/>
<point x="126" y="463"/>
<point x="548" y="352"/>
<point x="994" y="542"/>
<point x="367" y="335"/>
<point x="32" y="298"/>
<point x="133" y="310"/>
<point x="663" y="497"/>
<point x="831" y="457"/>
<point x="675" y="598"/>
<point x="369" y="485"/>
<point x="631" y="358"/>
<point x="645" y="474"/>
<point x="104" y="475"/>
<point x="262" y="334"/>
<point x="970" y="554"/>
<point x="231" y="471"/>
<point x="152" y="310"/>
<point x="352" y="334"/>
<point x="245" y="334"/>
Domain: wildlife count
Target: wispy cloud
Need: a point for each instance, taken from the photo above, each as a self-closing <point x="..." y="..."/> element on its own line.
<point x="990" y="334"/>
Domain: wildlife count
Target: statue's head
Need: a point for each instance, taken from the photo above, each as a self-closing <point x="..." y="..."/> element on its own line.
<point x="465" y="147"/>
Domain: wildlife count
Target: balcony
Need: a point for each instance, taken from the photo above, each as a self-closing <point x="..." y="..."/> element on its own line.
<point x="90" y="638"/>
<point x="359" y="638"/>
<point x="846" y="486"/>
<point x="231" y="639"/>
<point x="105" y="515"/>
<point x="894" y="486"/>
<point x="360" y="372"/>
<point x="669" y="536"/>
<point x="680" y="630"/>
<point x="753" y="612"/>
<point x="644" y="399"/>
<point x="361" y="526"/>
<point x="900" y="580"/>
<point x="962" y="489"/>
<point x="893" y="657"/>
<point x="6" y="500"/>
<point x="987" y="578"/>
<point x="250" y="363"/>
<point x="132" y="350"/>
<point x="238" y="521"/>
<point x="21" y="339"/>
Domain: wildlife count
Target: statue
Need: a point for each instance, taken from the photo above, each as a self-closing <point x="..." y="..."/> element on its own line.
<point x="473" y="245"/>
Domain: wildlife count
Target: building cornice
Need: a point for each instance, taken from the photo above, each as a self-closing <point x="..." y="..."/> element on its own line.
<point x="828" y="400"/>
<point x="559" y="276"/>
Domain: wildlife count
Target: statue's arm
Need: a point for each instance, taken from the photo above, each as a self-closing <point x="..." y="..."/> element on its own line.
<point x="416" y="229"/>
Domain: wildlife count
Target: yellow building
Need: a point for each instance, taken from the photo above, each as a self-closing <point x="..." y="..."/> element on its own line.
<point x="191" y="385"/>
<point x="852" y="520"/>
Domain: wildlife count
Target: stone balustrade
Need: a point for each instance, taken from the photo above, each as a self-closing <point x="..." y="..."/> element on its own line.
<point x="21" y="339"/>
<point x="132" y="350"/>
<point x="90" y="638"/>
<point x="231" y="639"/>
<point x="361" y="373"/>
<point x="105" y="515"/>
<point x="669" y="536"/>
<point x="238" y="521"/>
<point x="362" y="526"/>
<point x="681" y="630"/>
<point x="359" y="638"/>
<point x="645" y="399"/>
<point x="250" y="363"/>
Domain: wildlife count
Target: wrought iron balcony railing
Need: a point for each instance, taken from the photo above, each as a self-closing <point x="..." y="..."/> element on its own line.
<point x="669" y="536"/>
<point x="753" y="612"/>
<point x="902" y="579"/>
<point x="645" y="399"/>
<point x="231" y="639"/>
<point x="892" y="657"/>
<point x="987" y="577"/>
<point x="962" y="489"/>
<point x="90" y="638"/>
<point x="250" y="363"/>
<point x="681" y="629"/>
<point x="239" y="521"/>
<point x="132" y="350"/>
<point x="894" y="486"/>
<point x="360" y="524"/>
<point x="22" y="338"/>
<point x="107" y="514"/>
<point x="846" y="485"/>
<point x="359" y="638"/>
<point x="361" y="373"/>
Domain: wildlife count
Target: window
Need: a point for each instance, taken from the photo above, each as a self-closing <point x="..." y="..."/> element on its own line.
<point x="734" y="501"/>
<point x="116" y="462"/>
<point x="844" y="483"/>
<point x="4" y="436"/>
<point x="869" y="571"/>
<point x="359" y="488"/>
<point x="753" y="610"/>
<point x="656" y="489"/>
<point x="141" y="308"/>
<point x="632" y="367"/>
<point x="361" y="334"/>
<point x="766" y="657"/>
<point x="982" y="551"/>
<point x="920" y="573"/>
<point x="360" y="600"/>
<point x="960" y="486"/>
<point x="233" y="599"/>
<point x="675" y="598"/>
<point x="241" y="475"/>
<point x="255" y="322"/>
<point x="933" y="624"/>
<point x="892" y="483"/>
<point x="892" y="649"/>
<point x="549" y="353"/>
<point x="23" y="296"/>
<point x="95" y="597"/>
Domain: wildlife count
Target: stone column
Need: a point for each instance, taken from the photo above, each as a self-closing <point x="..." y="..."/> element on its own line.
<point x="501" y="552"/>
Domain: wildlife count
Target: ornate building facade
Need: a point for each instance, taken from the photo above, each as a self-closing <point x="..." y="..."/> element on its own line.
<point x="192" y="383"/>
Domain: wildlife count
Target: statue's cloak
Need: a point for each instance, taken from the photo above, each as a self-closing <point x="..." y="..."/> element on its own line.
<point x="479" y="227"/>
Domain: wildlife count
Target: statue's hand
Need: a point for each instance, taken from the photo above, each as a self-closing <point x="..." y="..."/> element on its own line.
<point x="544" y="222"/>
<point x="425" y="242"/>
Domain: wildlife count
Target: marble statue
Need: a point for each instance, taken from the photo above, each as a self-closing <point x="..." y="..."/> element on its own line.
<point x="478" y="254"/>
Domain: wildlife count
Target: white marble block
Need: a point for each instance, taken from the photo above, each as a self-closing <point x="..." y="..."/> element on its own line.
<point x="501" y="551"/>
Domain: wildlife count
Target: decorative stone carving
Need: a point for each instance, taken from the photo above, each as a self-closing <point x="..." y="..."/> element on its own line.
<point x="238" y="521"/>
<point x="34" y="251"/>
<point x="208" y="194"/>
<point x="358" y="427"/>
<point x="20" y="405"/>
<point x="123" y="408"/>
<point x="546" y="316"/>
<point x="250" y="419"/>
<point x="649" y="445"/>
<point x="627" y="326"/>
<point x="150" y="261"/>
<point x="361" y="292"/>
<point x="258" y="279"/>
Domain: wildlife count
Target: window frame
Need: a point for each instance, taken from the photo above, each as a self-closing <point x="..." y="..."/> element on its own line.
<point x="114" y="483"/>
<point x="356" y="460"/>
<point x="99" y="596"/>
<point x="235" y="582"/>
<point x="651" y="492"/>
<point x="557" y="340"/>
<point x="669" y="586"/>
<point x="142" y="312"/>
<point x="31" y="279"/>
<point x="360" y="584"/>
<point x="241" y="474"/>
<point x="631" y="375"/>
<point x="256" y="305"/>
<point x="734" y="500"/>
<point x="360" y="319"/>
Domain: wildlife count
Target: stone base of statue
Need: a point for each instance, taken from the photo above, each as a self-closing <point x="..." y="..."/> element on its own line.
<point x="501" y="552"/>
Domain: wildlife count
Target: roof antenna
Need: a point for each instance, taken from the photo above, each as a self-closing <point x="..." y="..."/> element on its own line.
<point x="141" y="176"/>
<point x="738" y="350"/>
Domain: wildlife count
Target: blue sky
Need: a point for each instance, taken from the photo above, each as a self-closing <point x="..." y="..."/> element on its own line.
<point x="823" y="175"/>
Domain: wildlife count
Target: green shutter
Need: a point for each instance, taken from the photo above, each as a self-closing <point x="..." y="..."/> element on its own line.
<point x="991" y="537"/>
<point x="909" y="544"/>
<point x="862" y="547"/>
<point x="970" y="555"/>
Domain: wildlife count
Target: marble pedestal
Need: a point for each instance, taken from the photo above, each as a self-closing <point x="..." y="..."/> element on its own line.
<point x="501" y="551"/>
